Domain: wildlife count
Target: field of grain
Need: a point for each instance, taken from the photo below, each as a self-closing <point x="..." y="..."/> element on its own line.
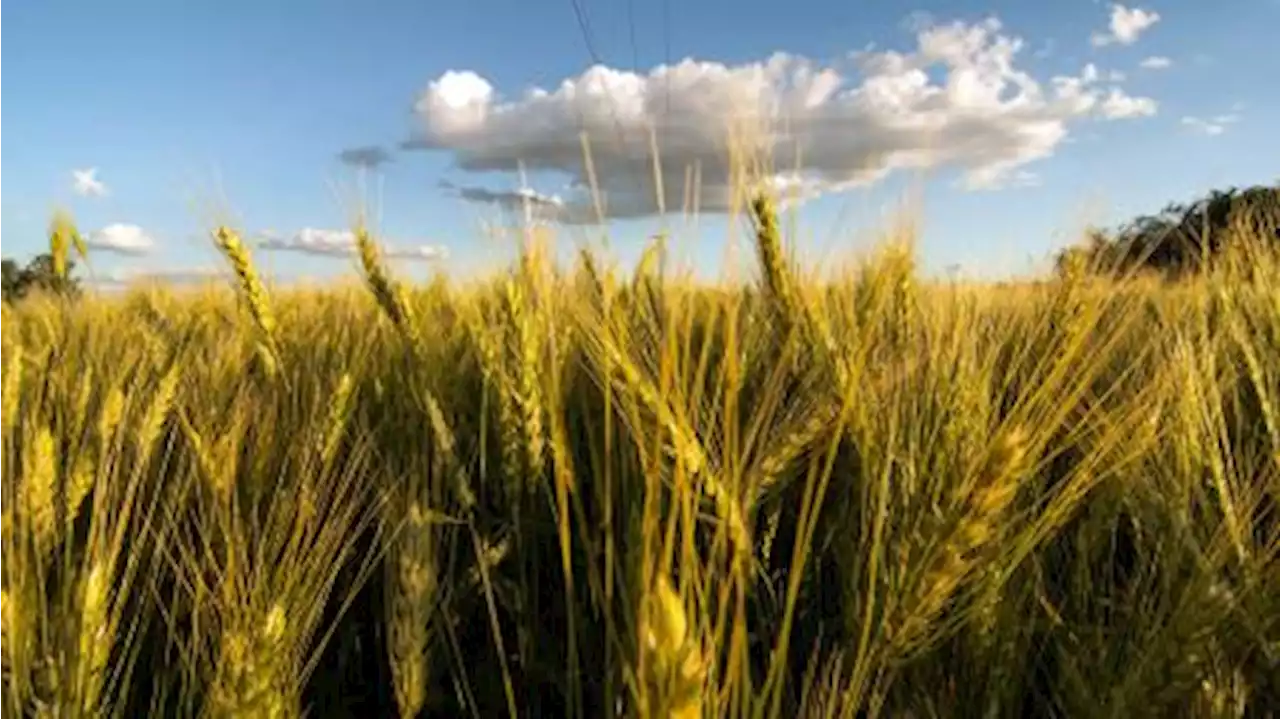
<point x="573" y="492"/>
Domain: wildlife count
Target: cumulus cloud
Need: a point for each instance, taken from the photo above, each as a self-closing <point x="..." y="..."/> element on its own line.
<point x="122" y="239"/>
<point x="1119" y="106"/>
<point x="1091" y="74"/>
<point x="368" y="156"/>
<point x="86" y="183"/>
<point x="539" y="206"/>
<point x="1210" y="126"/>
<point x="1155" y="62"/>
<point x="958" y="99"/>
<point x="1126" y="25"/>
<point x="341" y="243"/>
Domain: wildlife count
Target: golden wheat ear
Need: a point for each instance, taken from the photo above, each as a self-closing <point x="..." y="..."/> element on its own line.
<point x="12" y="388"/>
<point x="254" y="295"/>
<point x="390" y="296"/>
<point x="675" y="669"/>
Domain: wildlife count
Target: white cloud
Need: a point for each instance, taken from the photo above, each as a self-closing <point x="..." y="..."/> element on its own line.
<point x="1211" y="126"/>
<point x="1155" y="62"/>
<point x="121" y="238"/>
<point x="958" y="99"/>
<point x="510" y="199"/>
<point x="1126" y="25"/>
<point x="1091" y="74"/>
<point x="341" y="243"/>
<point x="86" y="183"/>
<point x="1119" y="106"/>
<point x="539" y="206"/>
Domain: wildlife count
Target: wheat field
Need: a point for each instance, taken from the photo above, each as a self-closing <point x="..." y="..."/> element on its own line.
<point x="570" y="491"/>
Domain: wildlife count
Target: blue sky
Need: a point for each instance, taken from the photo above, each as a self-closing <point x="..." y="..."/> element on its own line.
<point x="1016" y="122"/>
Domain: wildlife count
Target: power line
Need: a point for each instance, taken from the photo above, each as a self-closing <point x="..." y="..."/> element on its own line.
<point x="584" y="26"/>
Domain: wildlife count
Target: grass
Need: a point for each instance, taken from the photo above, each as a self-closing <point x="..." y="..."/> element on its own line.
<point x="567" y="492"/>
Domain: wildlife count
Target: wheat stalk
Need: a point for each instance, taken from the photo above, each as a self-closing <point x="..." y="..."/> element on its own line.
<point x="254" y="295"/>
<point x="335" y="422"/>
<point x="59" y="242"/>
<point x="689" y="451"/>
<point x="109" y="417"/>
<point x="151" y="424"/>
<point x="794" y="443"/>
<point x="779" y="281"/>
<point x="527" y="394"/>
<point x="94" y="637"/>
<point x="446" y="444"/>
<point x="783" y="291"/>
<point x="251" y="678"/>
<point x="511" y="440"/>
<point x="413" y="589"/>
<point x="413" y="568"/>
<point x="39" y="482"/>
<point x="219" y="476"/>
<point x="12" y="388"/>
<point x="675" y="670"/>
<point x="997" y="485"/>
<point x="389" y="295"/>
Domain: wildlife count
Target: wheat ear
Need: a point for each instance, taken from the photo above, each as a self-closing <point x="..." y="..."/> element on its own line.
<point x="675" y="670"/>
<point x="689" y="450"/>
<point x="254" y="295"/>
<point x="995" y="489"/>
<point x="251" y="678"/>
<point x="12" y="388"/>
<point x="413" y="588"/>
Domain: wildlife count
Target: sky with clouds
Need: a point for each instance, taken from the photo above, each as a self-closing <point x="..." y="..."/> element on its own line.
<point x="1010" y="125"/>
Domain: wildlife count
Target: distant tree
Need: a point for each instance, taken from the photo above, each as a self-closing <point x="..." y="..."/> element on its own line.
<point x="12" y="280"/>
<point x="43" y="278"/>
<point x="38" y="275"/>
<point x="1182" y="237"/>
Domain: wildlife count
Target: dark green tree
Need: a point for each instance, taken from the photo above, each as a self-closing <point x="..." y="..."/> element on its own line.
<point x="37" y="276"/>
<point x="12" y="280"/>
<point x="1182" y="238"/>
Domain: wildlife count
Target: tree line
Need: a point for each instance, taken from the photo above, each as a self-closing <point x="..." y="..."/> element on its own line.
<point x="38" y="275"/>
<point x="1183" y="238"/>
<point x="1179" y="239"/>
